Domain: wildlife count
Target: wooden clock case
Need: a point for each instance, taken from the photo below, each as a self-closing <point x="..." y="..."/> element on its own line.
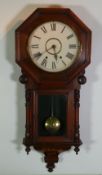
<point x="66" y="83"/>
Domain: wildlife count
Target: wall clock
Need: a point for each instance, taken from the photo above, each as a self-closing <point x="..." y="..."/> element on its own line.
<point x="53" y="49"/>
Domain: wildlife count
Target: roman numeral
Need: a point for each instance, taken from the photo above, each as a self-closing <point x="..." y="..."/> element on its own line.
<point x="69" y="55"/>
<point x="72" y="46"/>
<point x="37" y="55"/>
<point x="63" y="29"/>
<point x="44" y="29"/>
<point x="53" y="26"/>
<point x="37" y="37"/>
<point x="70" y="36"/>
<point x="35" y="46"/>
<point x="53" y="65"/>
<point x="44" y="62"/>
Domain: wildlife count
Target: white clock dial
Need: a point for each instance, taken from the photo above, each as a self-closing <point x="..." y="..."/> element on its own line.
<point x="53" y="46"/>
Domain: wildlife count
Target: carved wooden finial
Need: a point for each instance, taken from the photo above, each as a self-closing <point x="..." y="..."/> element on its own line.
<point x="51" y="157"/>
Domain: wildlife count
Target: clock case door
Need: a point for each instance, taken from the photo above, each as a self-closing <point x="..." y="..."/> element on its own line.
<point x="66" y="84"/>
<point x="63" y="110"/>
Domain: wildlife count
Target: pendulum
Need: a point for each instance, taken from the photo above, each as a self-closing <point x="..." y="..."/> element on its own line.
<point x="52" y="124"/>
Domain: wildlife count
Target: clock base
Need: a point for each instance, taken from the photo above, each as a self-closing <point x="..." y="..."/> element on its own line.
<point x="51" y="153"/>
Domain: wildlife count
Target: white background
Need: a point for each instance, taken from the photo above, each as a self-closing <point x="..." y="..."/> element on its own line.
<point x="13" y="159"/>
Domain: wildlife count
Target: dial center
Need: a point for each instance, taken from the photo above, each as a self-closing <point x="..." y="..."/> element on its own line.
<point x="53" y="46"/>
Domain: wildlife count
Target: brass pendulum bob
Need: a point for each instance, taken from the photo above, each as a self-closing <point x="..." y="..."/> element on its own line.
<point x="52" y="124"/>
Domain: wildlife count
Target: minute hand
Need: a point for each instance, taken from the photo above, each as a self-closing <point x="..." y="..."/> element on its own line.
<point x="55" y="54"/>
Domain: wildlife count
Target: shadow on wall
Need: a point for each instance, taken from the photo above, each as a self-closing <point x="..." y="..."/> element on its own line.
<point x="86" y="97"/>
<point x="20" y="91"/>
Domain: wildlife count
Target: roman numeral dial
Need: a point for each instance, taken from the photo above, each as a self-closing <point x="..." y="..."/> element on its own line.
<point x="35" y="46"/>
<point x="43" y="28"/>
<point x="70" y="55"/>
<point x="53" y="65"/>
<point x="53" y="26"/>
<point x="53" y="46"/>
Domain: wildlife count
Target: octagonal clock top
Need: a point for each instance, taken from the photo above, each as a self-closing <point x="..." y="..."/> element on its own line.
<point x="56" y="42"/>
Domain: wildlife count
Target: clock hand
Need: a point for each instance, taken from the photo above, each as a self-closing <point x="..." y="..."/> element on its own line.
<point x="55" y="54"/>
<point x="46" y="50"/>
<point x="49" y="48"/>
<point x="39" y="54"/>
